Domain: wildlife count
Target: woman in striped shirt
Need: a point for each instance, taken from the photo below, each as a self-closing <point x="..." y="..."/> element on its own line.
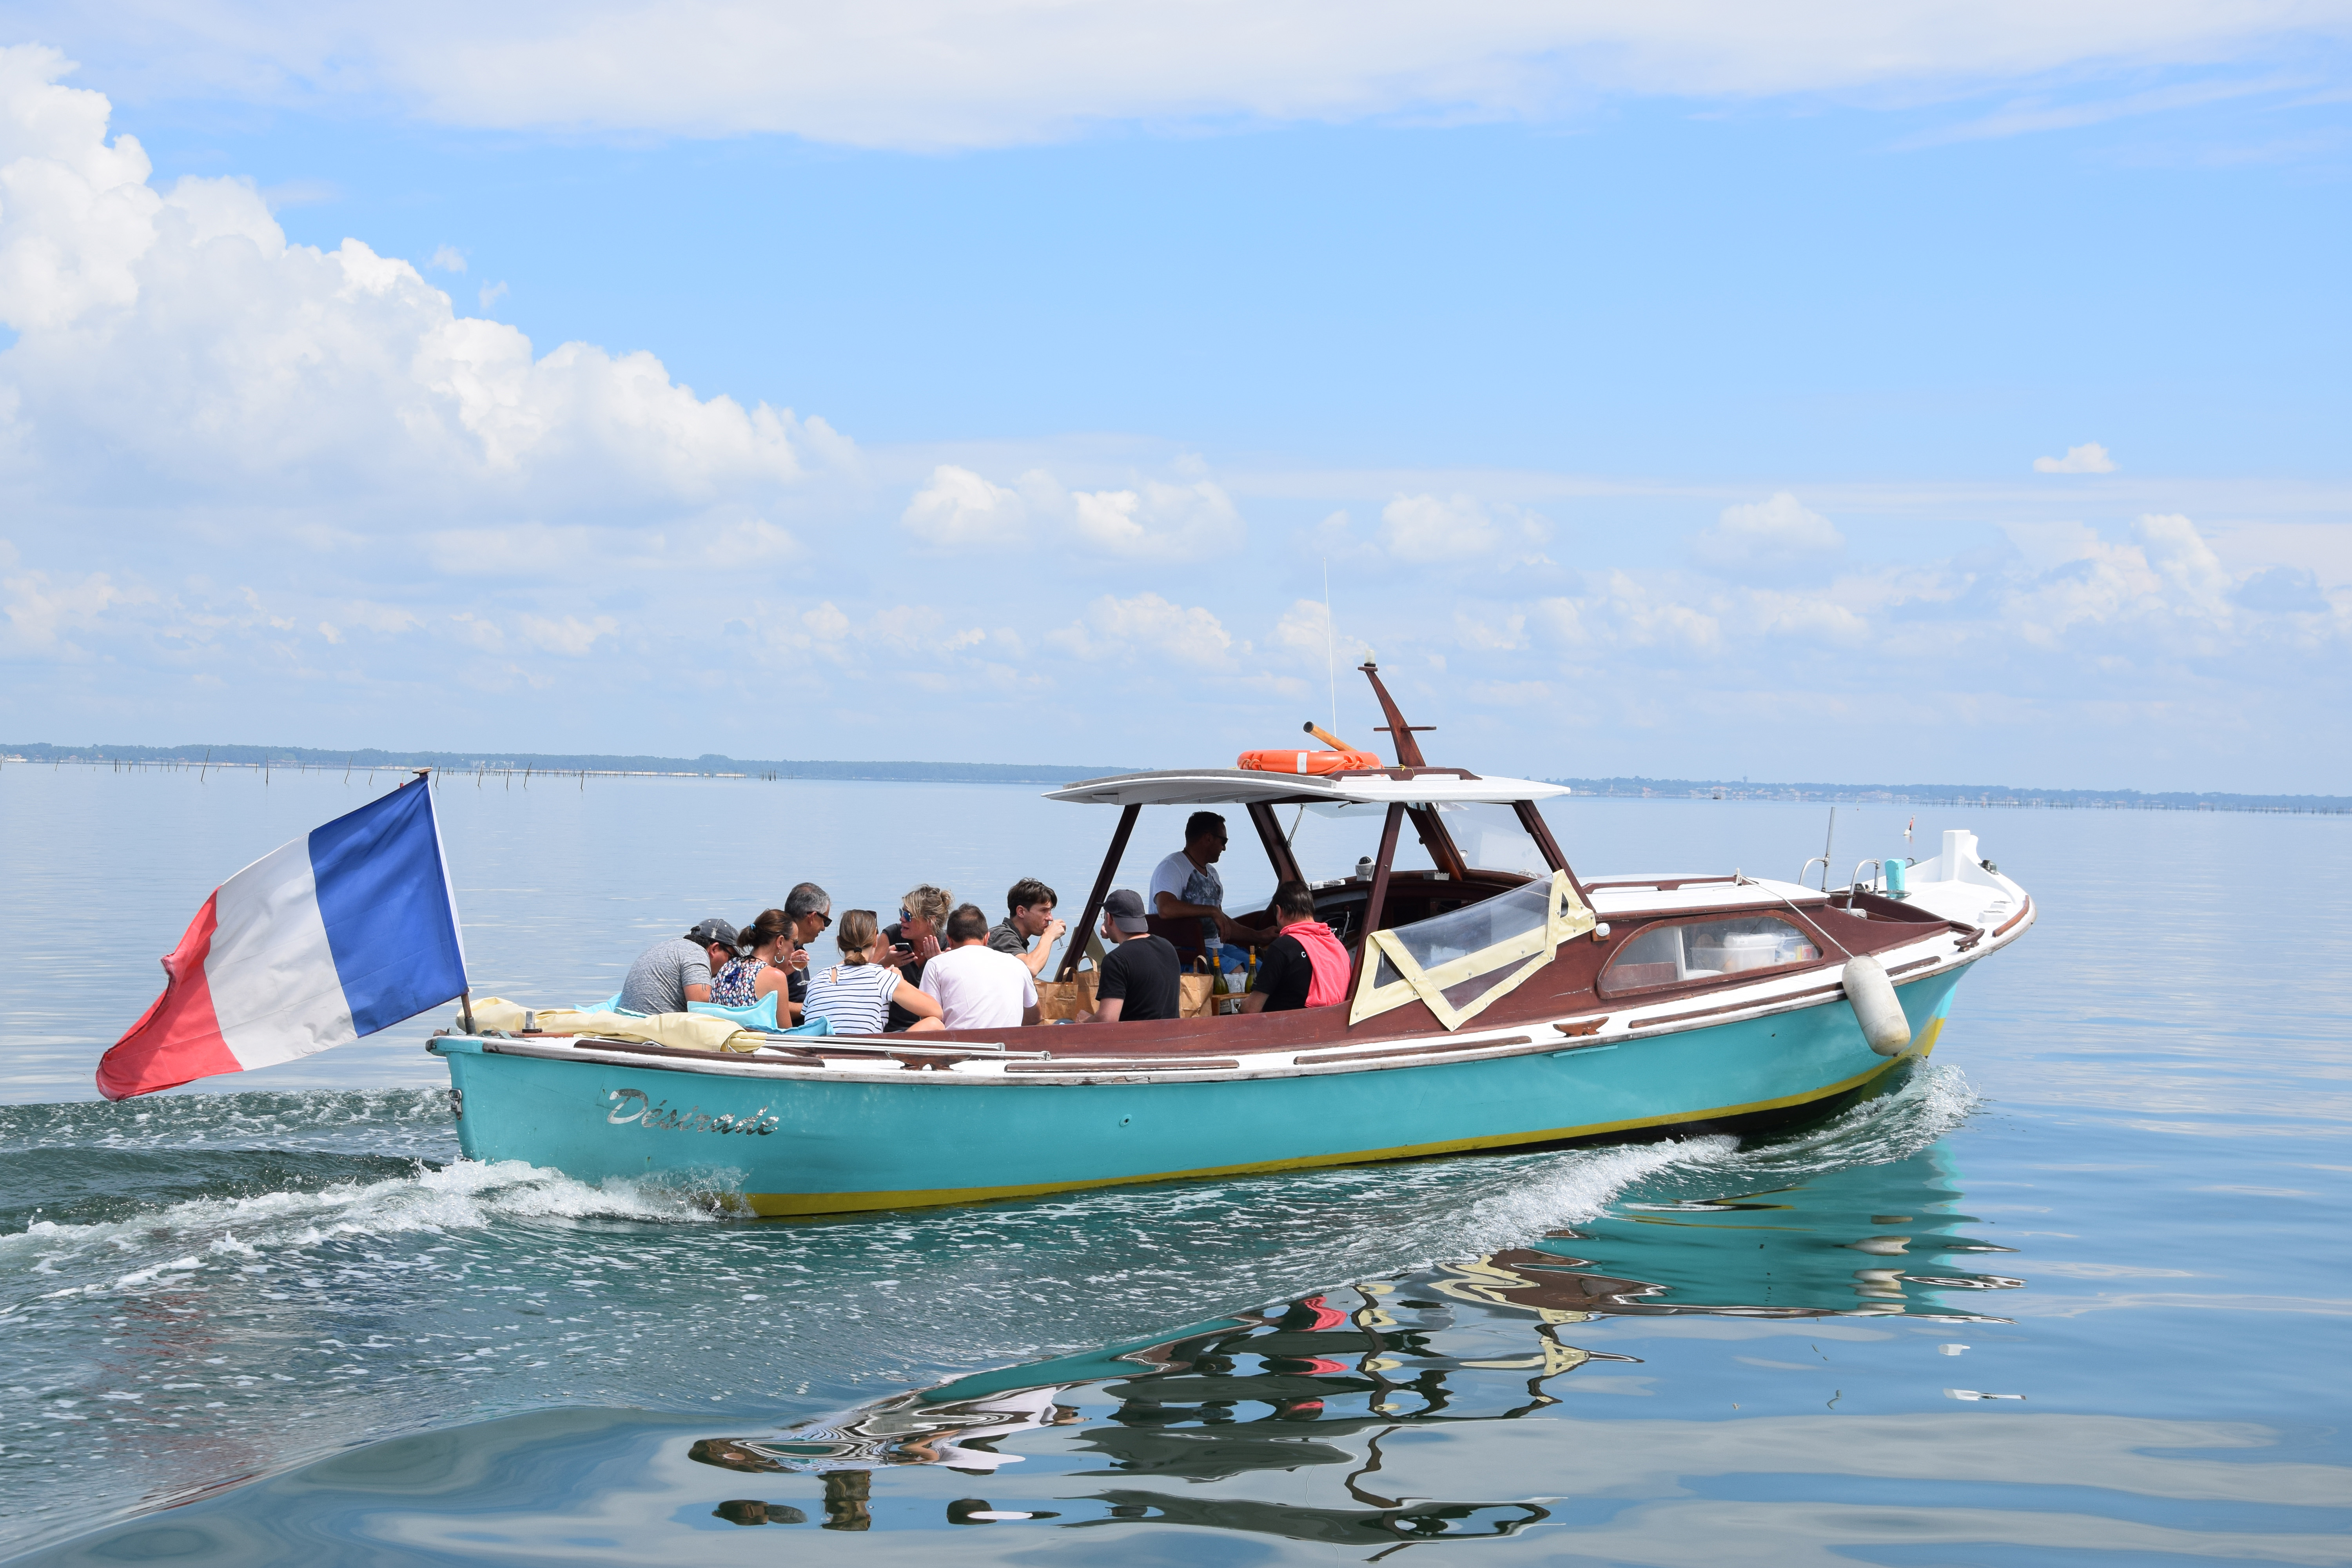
<point x="856" y="994"/>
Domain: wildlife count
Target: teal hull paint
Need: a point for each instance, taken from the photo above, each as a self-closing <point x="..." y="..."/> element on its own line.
<point x="931" y="1137"/>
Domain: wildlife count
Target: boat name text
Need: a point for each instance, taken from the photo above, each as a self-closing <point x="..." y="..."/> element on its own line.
<point x="659" y="1115"/>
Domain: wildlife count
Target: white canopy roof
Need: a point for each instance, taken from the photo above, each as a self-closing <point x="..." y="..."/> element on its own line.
<point x="1236" y="787"/>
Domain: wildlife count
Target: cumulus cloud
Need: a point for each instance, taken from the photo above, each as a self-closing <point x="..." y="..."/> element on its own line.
<point x="178" y="333"/>
<point x="1778" y="532"/>
<point x="569" y="636"/>
<point x="1490" y="629"/>
<point x="1154" y="520"/>
<point x="1424" y="529"/>
<point x="959" y="507"/>
<point x="961" y="73"/>
<point x="447" y="258"/>
<point x="1148" y="628"/>
<point x="1306" y="636"/>
<point x="1629" y="613"/>
<point x="1159" y="522"/>
<point x="2088" y="458"/>
<point x="920" y="646"/>
<point x="43" y="612"/>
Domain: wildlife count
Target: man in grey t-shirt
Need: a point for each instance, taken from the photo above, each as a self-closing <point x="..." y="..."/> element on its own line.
<point x="1031" y="905"/>
<point x="677" y="970"/>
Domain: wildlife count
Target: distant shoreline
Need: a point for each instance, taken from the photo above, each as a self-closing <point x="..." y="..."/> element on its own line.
<point x="708" y="765"/>
<point x="1999" y="795"/>
<point x="713" y="765"/>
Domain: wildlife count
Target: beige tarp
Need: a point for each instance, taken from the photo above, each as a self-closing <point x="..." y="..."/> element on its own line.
<point x="686" y="1031"/>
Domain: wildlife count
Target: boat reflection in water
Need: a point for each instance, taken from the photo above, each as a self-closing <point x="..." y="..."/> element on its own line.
<point x="1339" y="1380"/>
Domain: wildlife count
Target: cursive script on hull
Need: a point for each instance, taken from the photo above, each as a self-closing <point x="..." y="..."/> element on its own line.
<point x="660" y="1116"/>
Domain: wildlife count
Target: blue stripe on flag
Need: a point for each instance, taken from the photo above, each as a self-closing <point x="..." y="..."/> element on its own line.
<point x="386" y="901"/>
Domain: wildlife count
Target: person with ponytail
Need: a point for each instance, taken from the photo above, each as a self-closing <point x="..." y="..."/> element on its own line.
<point x="857" y="995"/>
<point x="760" y="967"/>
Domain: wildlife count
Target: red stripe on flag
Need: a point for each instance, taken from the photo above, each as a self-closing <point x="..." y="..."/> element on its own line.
<point x="177" y="1039"/>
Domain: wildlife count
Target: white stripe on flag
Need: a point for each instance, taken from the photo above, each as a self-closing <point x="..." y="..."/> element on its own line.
<point x="272" y="975"/>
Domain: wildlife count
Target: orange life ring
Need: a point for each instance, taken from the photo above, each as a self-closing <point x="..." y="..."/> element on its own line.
<point x="1306" y="762"/>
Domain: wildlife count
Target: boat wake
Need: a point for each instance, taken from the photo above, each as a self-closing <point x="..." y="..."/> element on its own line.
<point x="210" y="1285"/>
<point x="248" y="1233"/>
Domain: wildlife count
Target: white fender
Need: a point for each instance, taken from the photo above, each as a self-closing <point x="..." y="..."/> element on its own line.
<point x="1872" y="997"/>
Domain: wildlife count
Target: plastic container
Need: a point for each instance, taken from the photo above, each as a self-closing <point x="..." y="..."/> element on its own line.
<point x="1740" y="951"/>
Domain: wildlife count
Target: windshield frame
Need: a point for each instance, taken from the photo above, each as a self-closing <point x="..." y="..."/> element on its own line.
<point x="1514" y="960"/>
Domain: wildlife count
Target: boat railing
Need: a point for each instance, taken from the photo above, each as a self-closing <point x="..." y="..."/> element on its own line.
<point x="825" y="1044"/>
<point x="1808" y="866"/>
<point x="819" y="1045"/>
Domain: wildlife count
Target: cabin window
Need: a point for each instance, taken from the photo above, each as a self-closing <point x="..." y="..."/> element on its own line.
<point x="1460" y="962"/>
<point x="1704" y="950"/>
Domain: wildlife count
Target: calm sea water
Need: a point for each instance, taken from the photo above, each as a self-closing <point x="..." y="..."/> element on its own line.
<point x="2076" y="1293"/>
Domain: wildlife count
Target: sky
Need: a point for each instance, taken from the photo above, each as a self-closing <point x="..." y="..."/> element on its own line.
<point x="1826" y="391"/>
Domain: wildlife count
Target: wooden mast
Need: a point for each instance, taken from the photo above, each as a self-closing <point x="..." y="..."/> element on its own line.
<point x="1408" y="750"/>
<point x="1443" y="853"/>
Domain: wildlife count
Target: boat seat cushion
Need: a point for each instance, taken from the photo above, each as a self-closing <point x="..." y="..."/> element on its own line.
<point x="761" y="1015"/>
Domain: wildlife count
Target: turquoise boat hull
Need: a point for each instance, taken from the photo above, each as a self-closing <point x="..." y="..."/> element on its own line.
<point x="819" y="1141"/>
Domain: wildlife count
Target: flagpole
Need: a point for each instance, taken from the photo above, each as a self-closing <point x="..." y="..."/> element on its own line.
<point x="465" y="997"/>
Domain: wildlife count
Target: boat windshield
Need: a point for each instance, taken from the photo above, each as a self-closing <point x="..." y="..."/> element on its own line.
<point x="1329" y="840"/>
<point x="1434" y="942"/>
<point x="1461" y="962"/>
<point x="1491" y="839"/>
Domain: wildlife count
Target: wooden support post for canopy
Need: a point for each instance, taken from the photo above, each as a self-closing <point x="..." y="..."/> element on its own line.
<point x="1540" y="831"/>
<point x="1278" y="847"/>
<point x="1079" y="933"/>
<point x="1374" y="905"/>
<point x="1443" y="853"/>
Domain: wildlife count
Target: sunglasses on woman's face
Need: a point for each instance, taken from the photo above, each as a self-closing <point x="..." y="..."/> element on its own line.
<point x="904" y="917"/>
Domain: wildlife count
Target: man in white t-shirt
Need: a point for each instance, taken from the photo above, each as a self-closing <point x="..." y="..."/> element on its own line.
<point x="977" y="986"/>
<point x="1186" y="886"/>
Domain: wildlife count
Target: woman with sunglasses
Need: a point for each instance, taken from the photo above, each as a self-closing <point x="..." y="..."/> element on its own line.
<point x="914" y="940"/>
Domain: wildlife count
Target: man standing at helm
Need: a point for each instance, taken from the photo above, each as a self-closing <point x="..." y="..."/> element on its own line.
<point x="1185" y="887"/>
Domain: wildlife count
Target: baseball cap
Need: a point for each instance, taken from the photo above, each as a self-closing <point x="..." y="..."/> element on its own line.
<point x="1125" y="907"/>
<point x="714" y="930"/>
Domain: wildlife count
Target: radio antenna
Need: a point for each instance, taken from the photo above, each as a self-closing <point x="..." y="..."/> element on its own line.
<point x="1330" y="645"/>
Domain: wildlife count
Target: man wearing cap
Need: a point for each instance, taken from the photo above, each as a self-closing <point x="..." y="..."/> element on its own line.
<point x="1138" y="979"/>
<point x="677" y="970"/>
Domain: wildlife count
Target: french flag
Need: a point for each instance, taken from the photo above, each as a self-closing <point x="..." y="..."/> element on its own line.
<point x="337" y="935"/>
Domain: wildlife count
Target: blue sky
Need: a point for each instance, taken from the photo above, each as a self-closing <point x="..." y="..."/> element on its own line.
<point x="1662" y="392"/>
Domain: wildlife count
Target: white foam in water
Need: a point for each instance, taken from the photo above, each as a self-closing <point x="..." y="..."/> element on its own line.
<point x="462" y="1197"/>
<point x="1515" y="1200"/>
<point x="1583" y="1183"/>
